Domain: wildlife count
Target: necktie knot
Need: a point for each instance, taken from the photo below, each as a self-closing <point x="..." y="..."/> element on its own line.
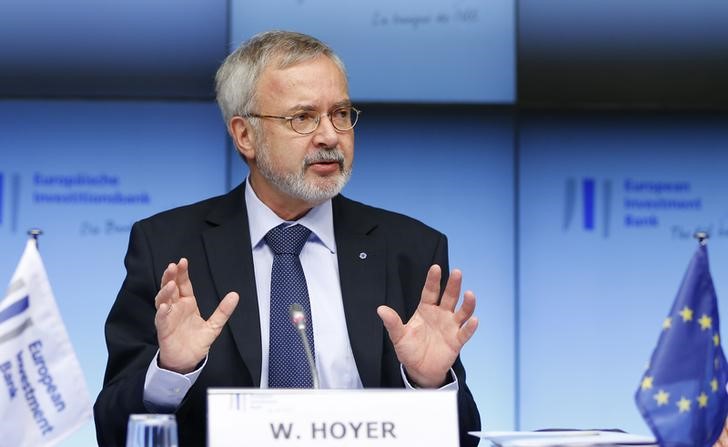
<point x="287" y="239"/>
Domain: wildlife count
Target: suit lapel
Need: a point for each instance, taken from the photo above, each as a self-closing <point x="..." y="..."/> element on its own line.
<point x="361" y="257"/>
<point x="227" y="245"/>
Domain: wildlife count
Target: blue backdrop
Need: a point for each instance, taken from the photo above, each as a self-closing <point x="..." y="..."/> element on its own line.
<point x="573" y="228"/>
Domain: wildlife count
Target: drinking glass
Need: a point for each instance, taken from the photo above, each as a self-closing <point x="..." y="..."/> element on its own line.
<point x="151" y="430"/>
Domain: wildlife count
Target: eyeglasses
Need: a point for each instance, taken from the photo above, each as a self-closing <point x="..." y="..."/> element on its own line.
<point x="306" y="122"/>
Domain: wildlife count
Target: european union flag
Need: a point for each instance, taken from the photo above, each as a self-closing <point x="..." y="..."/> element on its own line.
<point x="682" y="396"/>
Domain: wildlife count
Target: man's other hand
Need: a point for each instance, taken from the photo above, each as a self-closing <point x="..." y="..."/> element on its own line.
<point x="428" y="345"/>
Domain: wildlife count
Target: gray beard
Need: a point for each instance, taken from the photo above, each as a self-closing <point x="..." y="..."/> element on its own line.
<point x="295" y="184"/>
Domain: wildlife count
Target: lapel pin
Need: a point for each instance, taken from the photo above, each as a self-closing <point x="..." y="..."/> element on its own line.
<point x="362" y="255"/>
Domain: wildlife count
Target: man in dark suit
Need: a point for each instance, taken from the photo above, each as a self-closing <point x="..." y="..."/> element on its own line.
<point x="285" y="99"/>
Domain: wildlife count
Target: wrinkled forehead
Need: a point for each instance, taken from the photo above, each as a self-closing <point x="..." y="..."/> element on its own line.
<point x="282" y="60"/>
<point x="319" y="73"/>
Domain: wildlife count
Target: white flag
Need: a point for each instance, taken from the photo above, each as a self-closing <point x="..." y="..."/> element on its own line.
<point x="43" y="395"/>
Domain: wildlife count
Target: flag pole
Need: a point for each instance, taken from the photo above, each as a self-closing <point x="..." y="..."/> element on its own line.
<point x="702" y="237"/>
<point x="34" y="233"/>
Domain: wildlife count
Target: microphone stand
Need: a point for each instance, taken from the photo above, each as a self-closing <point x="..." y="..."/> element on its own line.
<point x="298" y="318"/>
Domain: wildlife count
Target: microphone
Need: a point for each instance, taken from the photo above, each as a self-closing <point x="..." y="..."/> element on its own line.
<point x="298" y="319"/>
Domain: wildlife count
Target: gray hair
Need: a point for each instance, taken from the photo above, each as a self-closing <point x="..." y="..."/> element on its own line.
<point x="236" y="80"/>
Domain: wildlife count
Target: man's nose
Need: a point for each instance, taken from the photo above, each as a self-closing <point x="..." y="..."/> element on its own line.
<point x="326" y="135"/>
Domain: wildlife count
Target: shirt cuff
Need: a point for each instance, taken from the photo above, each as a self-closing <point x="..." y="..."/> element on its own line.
<point x="451" y="385"/>
<point x="164" y="390"/>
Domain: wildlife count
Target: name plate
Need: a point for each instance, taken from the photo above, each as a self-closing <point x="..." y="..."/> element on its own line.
<point x="372" y="417"/>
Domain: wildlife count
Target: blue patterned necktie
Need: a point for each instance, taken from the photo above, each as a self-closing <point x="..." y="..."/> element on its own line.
<point x="287" y="366"/>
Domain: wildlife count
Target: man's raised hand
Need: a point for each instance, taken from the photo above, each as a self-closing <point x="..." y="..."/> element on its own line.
<point x="184" y="337"/>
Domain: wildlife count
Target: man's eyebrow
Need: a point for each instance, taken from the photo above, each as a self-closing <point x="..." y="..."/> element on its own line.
<point x="344" y="103"/>
<point x="310" y="108"/>
<point x="301" y="108"/>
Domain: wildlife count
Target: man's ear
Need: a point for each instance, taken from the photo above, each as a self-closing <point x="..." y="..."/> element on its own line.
<point x="243" y="138"/>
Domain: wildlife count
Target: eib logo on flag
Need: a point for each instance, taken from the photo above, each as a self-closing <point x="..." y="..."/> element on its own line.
<point x="43" y="395"/>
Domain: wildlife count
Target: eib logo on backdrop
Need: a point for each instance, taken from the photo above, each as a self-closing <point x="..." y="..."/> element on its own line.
<point x="97" y="194"/>
<point x="588" y="205"/>
<point x="2" y="193"/>
<point x="9" y="196"/>
<point x="596" y="205"/>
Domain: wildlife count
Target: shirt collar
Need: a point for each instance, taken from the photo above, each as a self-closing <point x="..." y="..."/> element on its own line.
<point x="320" y="220"/>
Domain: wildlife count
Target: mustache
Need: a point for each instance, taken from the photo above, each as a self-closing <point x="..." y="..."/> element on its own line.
<point x="324" y="156"/>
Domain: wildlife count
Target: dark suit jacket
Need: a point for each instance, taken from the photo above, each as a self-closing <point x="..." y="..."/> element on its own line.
<point x="214" y="236"/>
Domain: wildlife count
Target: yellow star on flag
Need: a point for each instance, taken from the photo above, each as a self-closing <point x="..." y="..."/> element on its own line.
<point x="647" y="382"/>
<point x="687" y="314"/>
<point x="714" y="385"/>
<point x="705" y="322"/>
<point x="662" y="397"/>
<point x="667" y="324"/>
<point x="716" y="339"/>
<point x="702" y="400"/>
<point x="683" y="404"/>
